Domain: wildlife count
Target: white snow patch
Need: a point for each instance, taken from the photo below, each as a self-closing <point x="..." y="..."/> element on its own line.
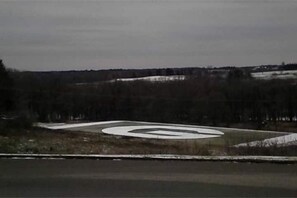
<point x="67" y="126"/>
<point x="279" y="141"/>
<point x="275" y="74"/>
<point x="216" y="128"/>
<point x="163" y="132"/>
<point x="154" y="78"/>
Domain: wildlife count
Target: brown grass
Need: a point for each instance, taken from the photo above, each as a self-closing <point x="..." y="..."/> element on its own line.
<point x="37" y="140"/>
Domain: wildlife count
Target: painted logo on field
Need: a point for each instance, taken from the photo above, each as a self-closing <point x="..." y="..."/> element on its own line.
<point x="163" y="132"/>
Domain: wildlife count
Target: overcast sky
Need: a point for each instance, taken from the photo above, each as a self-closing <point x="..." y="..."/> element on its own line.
<point x="105" y="34"/>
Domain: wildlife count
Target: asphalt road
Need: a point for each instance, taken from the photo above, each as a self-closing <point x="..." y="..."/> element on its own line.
<point x="145" y="178"/>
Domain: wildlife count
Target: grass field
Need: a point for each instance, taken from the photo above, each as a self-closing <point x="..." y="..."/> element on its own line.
<point x="91" y="140"/>
<point x="231" y="136"/>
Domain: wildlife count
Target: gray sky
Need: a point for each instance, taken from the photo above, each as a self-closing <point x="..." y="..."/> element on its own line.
<point x="105" y="34"/>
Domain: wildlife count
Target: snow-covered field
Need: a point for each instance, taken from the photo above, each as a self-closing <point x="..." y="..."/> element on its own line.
<point x="163" y="132"/>
<point x="154" y="78"/>
<point x="152" y="131"/>
<point x="275" y="74"/>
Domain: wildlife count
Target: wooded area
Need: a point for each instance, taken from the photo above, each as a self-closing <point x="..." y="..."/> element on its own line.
<point x="203" y="98"/>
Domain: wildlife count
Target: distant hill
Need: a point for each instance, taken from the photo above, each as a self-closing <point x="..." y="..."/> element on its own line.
<point x="90" y="76"/>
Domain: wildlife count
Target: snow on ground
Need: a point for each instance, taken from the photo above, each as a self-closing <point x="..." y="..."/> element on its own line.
<point x="154" y="78"/>
<point x="281" y="159"/>
<point x="163" y="132"/>
<point x="55" y="126"/>
<point x="155" y="130"/>
<point x="279" y="141"/>
<point x="216" y="128"/>
<point x="275" y="74"/>
<point x="144" y="131"/>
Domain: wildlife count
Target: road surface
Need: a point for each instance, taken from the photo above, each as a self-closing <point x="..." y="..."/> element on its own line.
<point x="128" y="178"/>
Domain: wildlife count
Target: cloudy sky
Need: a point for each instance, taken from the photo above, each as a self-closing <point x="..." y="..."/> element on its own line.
<point x="103" y="34"/>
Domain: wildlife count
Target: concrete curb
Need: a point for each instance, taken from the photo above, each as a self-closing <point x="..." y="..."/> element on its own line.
<point x="254" y="159"/>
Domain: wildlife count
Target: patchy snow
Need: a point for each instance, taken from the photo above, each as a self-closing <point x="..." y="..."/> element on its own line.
<point x="55" y="126"/>
<point x="279" y="141"/>
<point x="216" y="128"/>
<point x="155" y="130"/>
<point x="283" y="159"/>
<point x="154" y="78"/>
<point x="275" y="74"/>
<point x="151" y="130"/>
<point x="163" y="132"/>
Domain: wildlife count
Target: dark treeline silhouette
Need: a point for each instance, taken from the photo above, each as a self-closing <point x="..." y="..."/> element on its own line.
<point x="6" y="90"/>
<point x="289" y="67"/>
<point x="90" y="76"/>
<point x="205" y="97"/>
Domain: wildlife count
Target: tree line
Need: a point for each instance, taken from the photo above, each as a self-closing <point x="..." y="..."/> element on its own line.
<point x="201" y="98"/>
